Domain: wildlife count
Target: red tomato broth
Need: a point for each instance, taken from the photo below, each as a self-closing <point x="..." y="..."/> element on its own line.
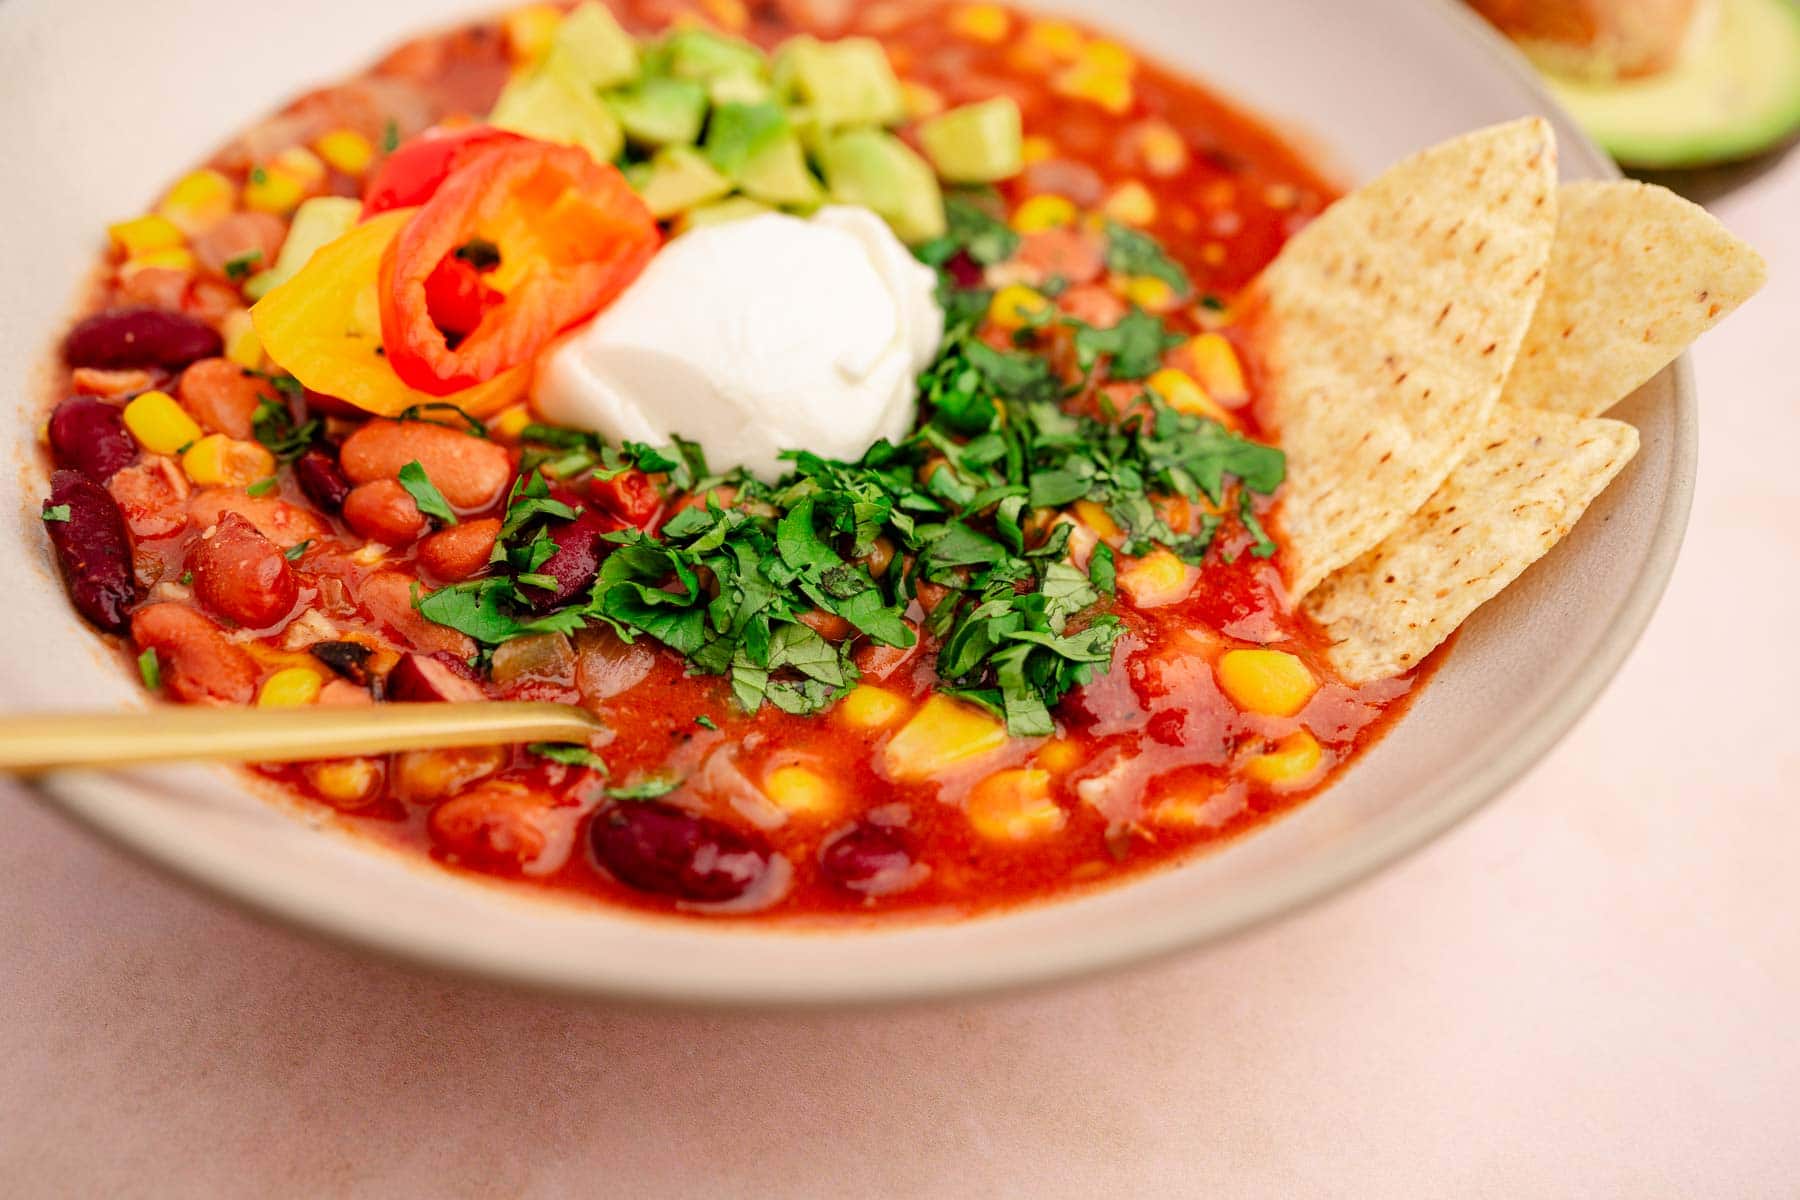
<point x="1154" y="730"/>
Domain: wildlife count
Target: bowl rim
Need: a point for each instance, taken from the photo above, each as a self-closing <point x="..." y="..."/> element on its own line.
<point x="85" y="800"/>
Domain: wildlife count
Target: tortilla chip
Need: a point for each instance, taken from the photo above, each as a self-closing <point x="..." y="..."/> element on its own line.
<point x="1501" y="510"/>
<point x="1636" y="274"/>
<point x="1384" y="331"/>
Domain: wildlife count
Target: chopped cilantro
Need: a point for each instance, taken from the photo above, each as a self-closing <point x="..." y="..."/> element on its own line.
<point x="263" y="486"/>
<point x="187" y="577"/>
<point x="973" y="230"/>
<point x="569" y="754"/>
<point x="390" y="136"/>
<point x="239" y="266"/>
<point x="149" y="669"/>
<point x="273" y="424"/>
<point x="706" y="722"/>
<point x="425" y="494"/>
<point x="646" y="789"/>
<point x="57" y="513"/>
<point x="1136" y="345"/>
<point x="1129" y="252"/>
<point x="473" y="426"/>
<point x="295" y="552"/>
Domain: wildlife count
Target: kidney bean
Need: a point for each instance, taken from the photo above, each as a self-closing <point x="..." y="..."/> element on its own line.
<point x="384" y="511"/>
<point x="89" y="436"/>
<point x="575" y="563"/>
<point x="140" y="337"/>
<point x="91" y="381"/>
<point x="461" y="551"/>
<point x="422" y="679"/>
<point x="470" y="471"/>
<point x="499" y="824"/>
<point x="243" y="576"/>
<point x="223" y="397"/>
<point x="153" y="496"/>
<point x="387" y="597"/>
<point x="198" y="663"/>
<point x="319" y="477"/>
<point x="282" y="523"/>
<point x="661" y="849"/>
<point x="964" y="271"/>
<point x="93" y="549"/>
<point x="874" y="860"/>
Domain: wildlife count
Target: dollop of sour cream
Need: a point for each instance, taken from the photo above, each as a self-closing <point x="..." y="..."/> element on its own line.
<point x="766" y="334"/>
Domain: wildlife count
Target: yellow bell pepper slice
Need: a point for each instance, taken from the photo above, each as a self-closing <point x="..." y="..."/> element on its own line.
<point x="323" y="327"/>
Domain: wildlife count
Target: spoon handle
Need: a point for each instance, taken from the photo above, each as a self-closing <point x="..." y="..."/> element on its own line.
<point x="29" y="744"/>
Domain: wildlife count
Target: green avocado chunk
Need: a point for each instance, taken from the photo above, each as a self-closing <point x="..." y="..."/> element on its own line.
<point x="738" y="132"/>
<point x="661" y="112"/>
<point x="591" y="48"/>
<point x="977" y="143"/>
<point x="880" y="172"/>
<point x="725" y="211"/>
<point x="777" y="174"/>
<point x="1735" y="96"/>
<point x="846" y="82"/>
<point x="700" y="54"/>
<point x="547" y="104"/>
<point x="676" y="179"/>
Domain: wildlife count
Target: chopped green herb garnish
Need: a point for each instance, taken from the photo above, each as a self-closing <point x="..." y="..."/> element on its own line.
<point x="187" y="577"/>
<point x="239" y="266"/>
<point x="390" y="137"/>
<point x="263" y="486"/>
<point x="149" y="669"/>
<point x="58" y="513"/>
<point x="1135" y="345"/>
<point x="473" y="426"/>
<point x="648" y="789"/>
<point x="295" y="552"/>
<point x="569" y="754"/>
<point x="706" y="722"/>
<point x="273" y="424"/>
<point x="1129" y="252"/>
<point x="425" y="494"/>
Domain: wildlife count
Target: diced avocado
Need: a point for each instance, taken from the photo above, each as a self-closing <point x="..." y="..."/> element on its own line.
<point x="778" y="174"/>
<point x="1733" y="96"/>
<point x="737" y="132"/>
<point x="847" y="82"/>
<point x="591" y="48"/>
<point x="661" y="112"/>
<point x="977" y="143"/>
<point x="879" y="171"/>
<point x="547" y="105"/>
<point x="724" y="212"/>
<point x="739" y="89"/>
<point x="676" y="179"/>
<point x="701" y="54"/>
<point x="317" y="222"/>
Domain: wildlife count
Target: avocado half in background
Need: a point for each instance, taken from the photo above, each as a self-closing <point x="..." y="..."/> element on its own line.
<point x="1723" y="85"/>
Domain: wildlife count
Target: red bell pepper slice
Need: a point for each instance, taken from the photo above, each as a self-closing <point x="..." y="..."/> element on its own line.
<point x="412" y="174"/>
<point x="570" y="233"/>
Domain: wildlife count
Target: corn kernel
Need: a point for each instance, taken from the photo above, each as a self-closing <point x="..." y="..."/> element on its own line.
<point x="273" y="190"/>
<point x="1040" y="214"/>
<point x="1058" y="756"/>
<point x="173" y="258"/>
<point x="1217" y="366"/>
<point x="141" y="235"/>
<point x="1059" y="39"/>
<point x="1015" y="305"/>
<point x="159" y="423"/>
<point x="1096" y="518"/>
<point x="801" y="792"/>
<point x="217" y="460"/>
<point x="1131" y="204"/>
<point x="1162" y="151"/>
<point x="944" y="733"/>
<point x="1158" y="579"/>
<point x="198" y="201"/>
<point x="346" y="782"/>
<point x="869" y="707"/>
<point x="530" y="30"/>
<point x="346" y="150"/>
<point x="511" y="424"/>
<point x="1185" y="395"/>
<point x="1015" y="806"/>
<point x="302" y="164"/>
<point x="981" y="23"/>
<point x="1195" y="806"/>
<point x="1109" y="57"/>
<point x="730" y="15"/>
<point x="1035" y="149"/>
<point x="295" y="687"/>
<point x="921" y="101"/>
<point x="1271" y="682"/>
<point x="242" y="345"/>
<point x="1150" y="293"/>
<point x="1294" y="760"/>
<point x="1106" y="89"/>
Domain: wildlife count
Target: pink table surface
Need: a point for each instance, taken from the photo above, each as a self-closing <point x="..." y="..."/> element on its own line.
<point x="1591" y="988"/>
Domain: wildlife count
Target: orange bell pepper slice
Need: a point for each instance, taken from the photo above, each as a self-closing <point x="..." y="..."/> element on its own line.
<point x="571" y="235"/>
<point x="323" y="327"/>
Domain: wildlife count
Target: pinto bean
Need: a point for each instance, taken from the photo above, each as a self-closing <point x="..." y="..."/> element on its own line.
<point x="93" y="549"/>
<point x="387" y="596"/>
<point x="122" y="338"/>
<point x="198" y="663"/>
<point x="242" y="576"/>
<point x="223" y="397"/>
<point x="89" y="436"/>
<point x="153" y="497"/>
<point x="470" y="471"/>
<point x="282" y="523"/>
<point x="461" y="551"/>
<point x="237" y="235"/>
<point x="496" y="825"/>
<point x="384" y="511"/>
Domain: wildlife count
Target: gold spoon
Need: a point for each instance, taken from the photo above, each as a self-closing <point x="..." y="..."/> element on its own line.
<point x="30" y="744"/>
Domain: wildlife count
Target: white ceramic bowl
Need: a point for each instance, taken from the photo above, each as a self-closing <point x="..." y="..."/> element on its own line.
<point x="106" y="100"/>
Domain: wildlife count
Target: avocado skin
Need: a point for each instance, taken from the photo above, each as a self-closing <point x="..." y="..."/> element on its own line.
<point x="1734" y="98"/>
